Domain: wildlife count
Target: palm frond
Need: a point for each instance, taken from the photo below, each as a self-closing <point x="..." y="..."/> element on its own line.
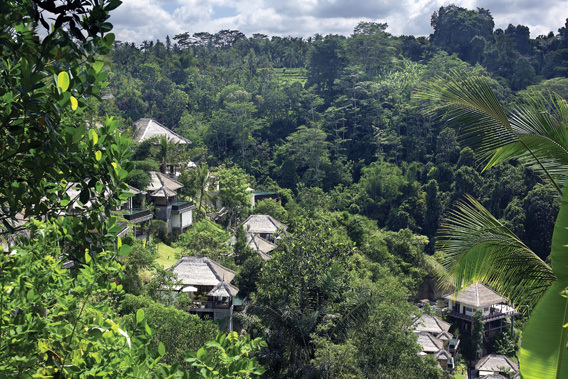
<point x="479" y="248"/>
<point x="469" y="104"/>
<point x="534" y="131"/>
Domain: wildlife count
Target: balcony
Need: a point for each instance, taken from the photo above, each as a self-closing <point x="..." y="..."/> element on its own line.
<point x="208" y="305"/>
<point x="498" y="314"/>
<point x="182" y="207"/>
<point x="137" y="215"/>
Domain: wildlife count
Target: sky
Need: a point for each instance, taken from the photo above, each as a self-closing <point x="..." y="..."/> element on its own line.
<point x="139" y="20"/>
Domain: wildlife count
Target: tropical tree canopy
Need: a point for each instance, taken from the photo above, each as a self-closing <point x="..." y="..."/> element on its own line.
<point x="478" y="247"/>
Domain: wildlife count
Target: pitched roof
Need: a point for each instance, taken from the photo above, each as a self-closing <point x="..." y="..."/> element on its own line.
<point x="263" y="224"/>
<point x="163" y="192"/>
<point x="445" y="336"/>
<point x="496" y="363"/>
<point x="430" y="324"/>
<point x="156" y="184"/>
<point x="443" y="354"/>
<point x="147" y="128"/>
<point x="135" y="191"/>
<point x="201" y="271"/>
<point x="262" y="246"/>
<point x="224" y="290"/>
<point x="429" y="343"/>
<point x="477" y="295"/>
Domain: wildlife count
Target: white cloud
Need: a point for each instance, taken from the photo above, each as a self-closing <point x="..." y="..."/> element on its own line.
<point x="138" y="20"/>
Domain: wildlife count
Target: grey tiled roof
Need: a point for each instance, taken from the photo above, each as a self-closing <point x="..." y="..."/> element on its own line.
<point x="442" y="354"/>
<point x="147" y="128"/>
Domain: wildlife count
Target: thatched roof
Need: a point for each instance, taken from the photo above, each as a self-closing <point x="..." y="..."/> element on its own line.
<point x="260" y="245"/>
<point x="201" y="271"/>
<point x="445" y="336"/>
<point x="147" y="128"/>
<point x="477" y="295"/>
<point x="442" y="354"/>
<point x="263" y="224"/>
<point x="156" y="180"/>
<point x="430" y="324"/>
<point x="224" y="290"/>
<point x="429" y="343"/>
<point x="134" y="190"/>
<point x="496" y="363"/>
<point x="163" y="192"/>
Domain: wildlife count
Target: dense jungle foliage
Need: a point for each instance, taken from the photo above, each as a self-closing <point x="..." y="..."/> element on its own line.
<point x="330" y="123"/>
<point x="333" y="119"/>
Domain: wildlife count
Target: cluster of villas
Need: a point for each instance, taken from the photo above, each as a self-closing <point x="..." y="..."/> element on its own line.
<point x="212" y="294"/>
<point x="209" y="283"/>
<point x="160" y="200"/>
<point x="435" y="338"/>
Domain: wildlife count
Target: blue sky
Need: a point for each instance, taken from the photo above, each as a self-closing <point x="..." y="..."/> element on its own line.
<point x="138" y="20"/>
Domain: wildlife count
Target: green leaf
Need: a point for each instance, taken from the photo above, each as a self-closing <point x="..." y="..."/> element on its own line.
<point x="479" y="248"/>
<point x="63" y="81"/>
<point x="98" y="155"/>
<point x="98" y="65"/>
<point x="541" y="347"/>
<point x="87" y="257"/>
<point x="543" y="352"/>
<point x="124" y="250"/>
<point x="79" y="133"/>
<point x="161" y="349"/>
<point x="201" y="353"/>
<point x="139" y="315"/>
<point x="109" y="38"/>
<point x="149" y="330"/>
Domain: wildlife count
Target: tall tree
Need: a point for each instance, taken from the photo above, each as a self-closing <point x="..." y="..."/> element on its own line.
<point x="456" y="29"/>
<point x="327" y="60"/>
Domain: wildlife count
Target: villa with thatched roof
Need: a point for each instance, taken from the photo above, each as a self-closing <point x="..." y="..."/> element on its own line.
<point x="261" y="246"/>
<point x="434" y="338"/>
<point x="430" y="324"/>
<point x="162" y="191"/>
<point x="147" y="128"/>
<point x="495" y="365"/>
<point x="493" y="307"/>
<point x="264" y="226"/>
<point x="209" y="285"/>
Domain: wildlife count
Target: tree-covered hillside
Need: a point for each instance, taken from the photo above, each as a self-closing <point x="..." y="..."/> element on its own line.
<point x="332" y="132"/>
<point x="345" y="121"/>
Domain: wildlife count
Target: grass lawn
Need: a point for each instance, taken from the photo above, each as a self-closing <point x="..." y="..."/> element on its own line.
<point x="167" y="255"/>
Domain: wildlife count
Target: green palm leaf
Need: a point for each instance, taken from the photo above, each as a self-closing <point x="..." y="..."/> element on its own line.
<point x="534" y="131"/>
<point x="479" y="248"/>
